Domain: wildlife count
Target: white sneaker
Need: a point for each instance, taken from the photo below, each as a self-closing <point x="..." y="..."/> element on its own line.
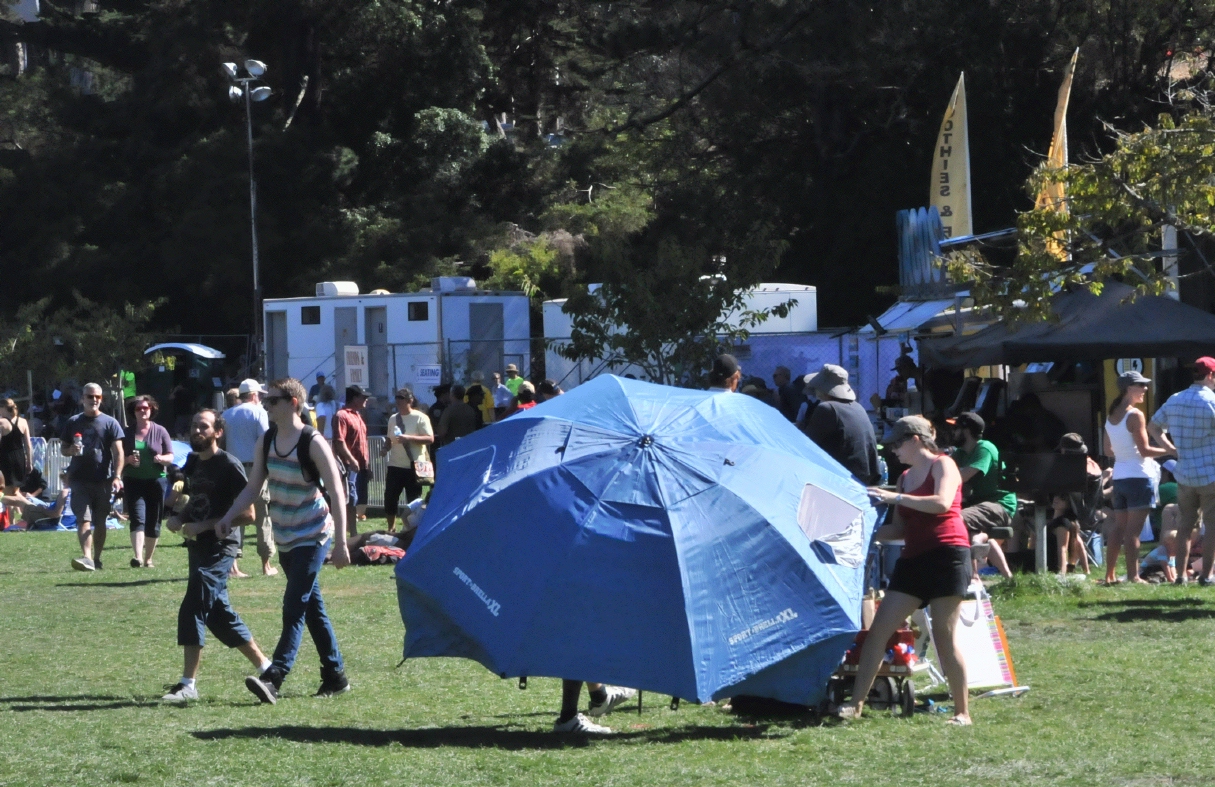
<point x="181" y="693"/>
<point x="615" y="696"/>
<point x="83" y="564"/>
<point x="582" y="725"/>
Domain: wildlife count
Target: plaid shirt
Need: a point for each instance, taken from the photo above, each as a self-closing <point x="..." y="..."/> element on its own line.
<point x="1189" y="418"/>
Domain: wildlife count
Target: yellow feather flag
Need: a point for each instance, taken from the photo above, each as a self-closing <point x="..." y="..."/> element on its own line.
<point x="949" y="191"/>
<point x="1053" y="196"/>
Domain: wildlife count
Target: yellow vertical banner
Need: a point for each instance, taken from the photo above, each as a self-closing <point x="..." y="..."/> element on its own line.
<point x="1053" y="196"/>
<point x="949" y="192"/>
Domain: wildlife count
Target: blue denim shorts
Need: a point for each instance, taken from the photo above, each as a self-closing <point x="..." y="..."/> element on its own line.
<point x="1133" y="493"/>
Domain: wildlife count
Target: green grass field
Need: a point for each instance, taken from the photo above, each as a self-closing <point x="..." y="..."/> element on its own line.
<point x="1121" y="695"/>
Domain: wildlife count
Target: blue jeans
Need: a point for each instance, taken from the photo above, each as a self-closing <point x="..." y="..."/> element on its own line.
<point x="302" y="604"/>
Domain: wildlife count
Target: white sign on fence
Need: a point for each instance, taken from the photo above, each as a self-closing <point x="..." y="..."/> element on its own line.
<point x="427" y="375"/>
<point x="356" y="365"/>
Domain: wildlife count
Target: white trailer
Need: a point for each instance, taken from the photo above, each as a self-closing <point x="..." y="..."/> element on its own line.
<point x="411" y="339"/>
<point x="802" y="318"/>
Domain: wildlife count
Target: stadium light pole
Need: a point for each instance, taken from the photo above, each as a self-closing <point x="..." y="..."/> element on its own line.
<point x="242" y="87"/>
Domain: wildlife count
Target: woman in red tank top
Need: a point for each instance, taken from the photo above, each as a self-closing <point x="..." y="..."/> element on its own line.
<point x="934" y="569"/>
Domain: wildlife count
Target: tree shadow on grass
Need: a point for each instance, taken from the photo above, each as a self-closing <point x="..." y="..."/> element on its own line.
<point x="1145" y="602"/>
<point x="131" y="584"/>
<point x="479" y="737"/>
<point x="1165" y="610"/>
<point x="115" y="704"/>
<point x="60" y="698"/>
<point x="1143" y="614"/>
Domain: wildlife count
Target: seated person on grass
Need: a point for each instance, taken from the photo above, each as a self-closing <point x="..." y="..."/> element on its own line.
<point x="35" y="509"/>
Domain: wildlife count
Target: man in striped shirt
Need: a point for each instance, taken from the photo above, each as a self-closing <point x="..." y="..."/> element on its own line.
<point x="1188" y="418"/>
<point x="304" y="524"/>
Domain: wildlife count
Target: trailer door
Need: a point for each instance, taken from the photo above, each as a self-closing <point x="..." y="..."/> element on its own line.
<point x="277" y="365"/>
<point x="345" y="332"/>
<point x="376" y="330"/>
<point x="485" y="334"/>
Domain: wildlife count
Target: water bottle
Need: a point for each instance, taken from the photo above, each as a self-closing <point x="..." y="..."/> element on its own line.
<point x="883" y="471"/>
<point x="396" y="431"/>
<point x="78" y="441"/>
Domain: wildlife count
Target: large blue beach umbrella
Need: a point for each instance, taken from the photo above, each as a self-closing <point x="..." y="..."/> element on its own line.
<point x="685" y="542"/>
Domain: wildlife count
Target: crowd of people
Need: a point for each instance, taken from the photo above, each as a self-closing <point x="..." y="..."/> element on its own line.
<point x="295" y="464"/>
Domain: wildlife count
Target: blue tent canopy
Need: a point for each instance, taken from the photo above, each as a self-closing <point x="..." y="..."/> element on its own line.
<point x="686" y="542"/>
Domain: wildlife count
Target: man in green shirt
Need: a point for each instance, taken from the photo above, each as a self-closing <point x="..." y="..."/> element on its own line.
<point x="513" y="380"/>
<point x="984" y="504"/>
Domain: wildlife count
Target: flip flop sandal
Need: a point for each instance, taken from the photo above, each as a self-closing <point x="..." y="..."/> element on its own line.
<point x="958" y="721"/>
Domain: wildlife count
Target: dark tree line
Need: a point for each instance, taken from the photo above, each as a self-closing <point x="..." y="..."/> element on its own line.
<point x="757" y="139"/>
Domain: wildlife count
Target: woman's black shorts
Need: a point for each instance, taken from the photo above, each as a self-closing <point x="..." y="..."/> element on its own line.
<point x="937" y="573"/>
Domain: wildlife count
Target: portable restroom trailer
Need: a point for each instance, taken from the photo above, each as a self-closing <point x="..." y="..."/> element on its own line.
<point x="415" y="339"/>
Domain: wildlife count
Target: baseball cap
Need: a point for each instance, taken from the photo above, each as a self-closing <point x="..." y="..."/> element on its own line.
<point x="972" y="421"/>
<point x="910" y="426"/>
<point x="1127" y="379"/>
<point x="249" y="385"/>
<point x="354" y="390"/>
<point x="832" y="381"/>
<point x="320" y="375"/>
<point x="1206" y="363"/>
<point x="1072" y="443"/>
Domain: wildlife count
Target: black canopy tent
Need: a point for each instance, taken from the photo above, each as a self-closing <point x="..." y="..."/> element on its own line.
<point x="1086" y="327"/>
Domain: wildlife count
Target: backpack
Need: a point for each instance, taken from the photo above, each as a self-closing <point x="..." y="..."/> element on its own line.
<point x="308" y="468"/>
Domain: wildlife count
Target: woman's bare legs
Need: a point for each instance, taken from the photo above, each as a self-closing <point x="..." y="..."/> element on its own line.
<point x="1135" y="518"/>
<point x="890" y="615"/>
<point x="137" y="540"/>
<point x="944" y="628"/>
<point x="1113" y="544"/>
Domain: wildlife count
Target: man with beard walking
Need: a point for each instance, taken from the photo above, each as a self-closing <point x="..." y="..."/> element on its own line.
<point x="214" y="478"/>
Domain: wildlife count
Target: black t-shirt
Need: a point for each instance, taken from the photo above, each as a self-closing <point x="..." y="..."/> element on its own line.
<point x="789" y="396"/>
<point x="843" y="430"/>
<point x="213" y="486"/>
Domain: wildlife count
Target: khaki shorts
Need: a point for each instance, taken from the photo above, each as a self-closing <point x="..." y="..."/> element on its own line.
<point x="1195" y="500"/>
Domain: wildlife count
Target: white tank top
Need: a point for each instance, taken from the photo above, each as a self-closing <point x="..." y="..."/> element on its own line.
<point x="1128" y="462"/>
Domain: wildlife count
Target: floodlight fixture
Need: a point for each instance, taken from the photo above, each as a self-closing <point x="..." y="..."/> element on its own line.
<point x="255" y="67"/>
<point x="235" y="93"/>
<point x="260" y="93"/>
<point x="230" y="69"/>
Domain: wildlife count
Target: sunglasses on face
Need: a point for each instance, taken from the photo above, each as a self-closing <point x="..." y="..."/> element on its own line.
<point x="142" y="407"/>
<point x="273" y="400"/>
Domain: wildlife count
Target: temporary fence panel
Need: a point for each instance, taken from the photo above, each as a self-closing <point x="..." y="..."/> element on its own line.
<point x="800" y="353"/>
<point x="417" y="366"/>
<point x="876" y="356"/>
<point x="487" y="356"/>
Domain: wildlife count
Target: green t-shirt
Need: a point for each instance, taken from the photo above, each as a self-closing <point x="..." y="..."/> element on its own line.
<point x="513" y="384"/>
<point x="148" y="469"/>
<point x="128" y="384"/>
<point x="985" y="486"/>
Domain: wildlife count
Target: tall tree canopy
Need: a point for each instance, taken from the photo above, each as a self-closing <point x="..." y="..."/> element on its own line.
<point x="404" y="135"/>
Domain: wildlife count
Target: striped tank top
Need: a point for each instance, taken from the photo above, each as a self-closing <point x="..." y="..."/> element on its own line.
<point x="298" y="511"/>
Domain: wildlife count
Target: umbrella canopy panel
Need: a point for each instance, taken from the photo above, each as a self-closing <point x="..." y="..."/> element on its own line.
<point x="672" y="540"/>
